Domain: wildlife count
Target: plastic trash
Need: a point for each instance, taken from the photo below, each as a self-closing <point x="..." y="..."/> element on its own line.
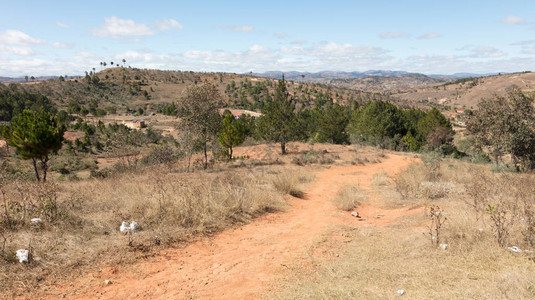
<point x="127" y="228"/>
<point x="22" y="255"/>
<point x="36" y="220"/>
<point x="515" y="249"/>
<point x="124" y="227"/>
<point x="355" y="214"/>
<point x="133" y="225"/>
<point x="443" y="246"/>
<point x="401" y="292"/>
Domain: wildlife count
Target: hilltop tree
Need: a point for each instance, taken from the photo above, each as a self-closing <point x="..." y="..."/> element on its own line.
<point x="199" y="113"/>
<point x="34" y="135"/>
<point x="232" y="133"/>
<point x="278" y="120"/>
<point x="506" y="125"/>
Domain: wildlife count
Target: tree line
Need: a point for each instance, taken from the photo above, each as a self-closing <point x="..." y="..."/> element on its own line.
<point x="501" y="126"/>
<point x="376" y="123"/>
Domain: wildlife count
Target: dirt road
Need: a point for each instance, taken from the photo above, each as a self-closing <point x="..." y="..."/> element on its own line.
<point x="239" y="264"/>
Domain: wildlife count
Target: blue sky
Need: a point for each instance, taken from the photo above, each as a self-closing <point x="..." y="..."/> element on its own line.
<point x="432" y="37"/>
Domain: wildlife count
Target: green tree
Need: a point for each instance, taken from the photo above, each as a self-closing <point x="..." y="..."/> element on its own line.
<point x="278" y="119"/>
<point x="332" y="122"/>
<point x="34" y="135"/>
<point x="198" y="110"/>
<point x="232" y="133"/>
<point x="377" y="122"/>
<point x="506" y="125"/>
<point x="433" y="119"/>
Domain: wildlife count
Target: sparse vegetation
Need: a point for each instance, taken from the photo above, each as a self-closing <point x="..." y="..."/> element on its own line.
<point x="107" y="173"/>
<point x="349" y="197"/>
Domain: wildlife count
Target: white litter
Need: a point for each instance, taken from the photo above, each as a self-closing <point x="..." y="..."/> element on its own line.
<point x="36" y="220"/>
<point x="125" y="228"/>
<point x="401" y="292"/>
<point x="480" y="229"/>
<point x="515" y="249"/>
<point x="22" y="255"/>
<point x="443" y="246"/>
<point x="133" y="225"/>
<point x="355" y="214"/>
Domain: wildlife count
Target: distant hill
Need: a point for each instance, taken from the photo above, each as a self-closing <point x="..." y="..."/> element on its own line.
<point x="128" y="89"/>
<point x="464" y="92"/>
<point x="22" y="79"/>
<point x="306" y="76"/>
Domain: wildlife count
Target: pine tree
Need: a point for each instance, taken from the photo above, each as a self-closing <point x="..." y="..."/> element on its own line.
<point x="278" y="119"/>
<point x="34" y="135"/>
<point x="232" y="133"/>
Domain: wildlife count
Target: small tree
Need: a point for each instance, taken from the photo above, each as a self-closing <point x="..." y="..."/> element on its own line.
<point x="232" y="133"/>
<point x="277" y="123"/>
<point x="199" y="113"/>
<point x="34" y="135"/>
<point x="506" y="125"/>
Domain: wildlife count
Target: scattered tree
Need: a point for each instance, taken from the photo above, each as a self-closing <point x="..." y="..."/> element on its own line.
<point x="232" y="133"/>
<point x="199" y="113"/>
<point x="506" y="125"/>
<point x="278" y="119"/>
<point x="34" y="135"/>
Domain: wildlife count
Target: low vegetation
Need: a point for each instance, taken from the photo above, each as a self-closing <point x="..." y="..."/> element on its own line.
<point x="80" y="219"/>
<point x="473" y="238"/>
<point x="349" y="197"/>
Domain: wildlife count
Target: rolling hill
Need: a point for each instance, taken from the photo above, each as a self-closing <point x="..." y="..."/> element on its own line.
<point x="127" y="89"/>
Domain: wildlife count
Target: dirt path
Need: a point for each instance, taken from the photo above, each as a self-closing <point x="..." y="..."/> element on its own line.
<point x="238" y="264"/>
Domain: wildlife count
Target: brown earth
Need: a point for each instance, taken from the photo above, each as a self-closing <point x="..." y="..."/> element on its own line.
<point x="240" y="263"/>
<point x="466" y="94"/>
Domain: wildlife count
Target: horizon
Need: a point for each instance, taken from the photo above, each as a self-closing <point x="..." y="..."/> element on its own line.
<point x="479" y="37"/>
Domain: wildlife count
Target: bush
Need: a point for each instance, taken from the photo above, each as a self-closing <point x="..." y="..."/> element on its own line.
<point x="349" y="197"/>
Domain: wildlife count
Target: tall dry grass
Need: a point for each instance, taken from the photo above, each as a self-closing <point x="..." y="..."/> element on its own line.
<point x="349" y="197"/>
<point x="83" y="232"/>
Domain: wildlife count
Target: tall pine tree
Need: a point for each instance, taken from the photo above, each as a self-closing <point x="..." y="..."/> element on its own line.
<point x="277" y="123"/>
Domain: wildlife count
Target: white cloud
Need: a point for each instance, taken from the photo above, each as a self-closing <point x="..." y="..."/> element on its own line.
<point x="280" y="34"/>
<point x="393" y="35"/>
<point x="168" y="24"/>
<point x="299" y="42"/>
<point x="60" y="45"/>
<point x="16" y="50"/>
<point x="514" y="20"/>
<point x="15" y="37"/>
<point x="237" y="28"/>
<point x="115" y="28"/>
<point x="243" y="28"/>
<point x="62" y="25"/>
<point x="523" y="43"/>
<point x="330" y="49"/>
<point x="432" y="35"/>
<point x="486" y="52"/>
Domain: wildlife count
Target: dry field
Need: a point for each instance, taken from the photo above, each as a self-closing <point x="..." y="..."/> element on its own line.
<point x="198" y="236"/>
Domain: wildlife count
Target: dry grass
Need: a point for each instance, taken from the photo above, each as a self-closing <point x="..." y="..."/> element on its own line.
<point x="375" y="262"/>
<point x="381" y="179"/>
<point x="292" y="183"/>
<point x="349" y="197"/>
<point x="169" y="207"/>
